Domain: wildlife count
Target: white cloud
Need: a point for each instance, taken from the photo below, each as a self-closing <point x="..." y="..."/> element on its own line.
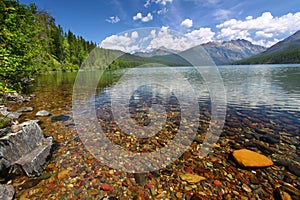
<point x="123" y="42"/>
<point x="260" y="30"/>
<point x="187" y="23"/>
<point x="113" y="19"/>
<point x="134" y="35"/>
<point x="162" y="11"/>
<point x="162" y="2"/>
<point x="264" y="30"/>
<point x="155" y="38"/>
<point x="202" y="35"/>
<point x="147" y="18"/>
<point x="147" y="4"/>
<point x="166" y="38"/>
<point x="261" y="34"/>
<point x="222" y="14"/>
<point x="249" y="17"/>
<point x="139" y="15"/>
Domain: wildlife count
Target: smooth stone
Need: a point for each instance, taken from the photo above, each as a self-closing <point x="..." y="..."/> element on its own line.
<point x="42" y="113"/>
<point x="25" y="109"/>
<point x="7" y="192"/>
<point x="217" y="183"/>
<point x="14" y="115"/>
<point x="106" y="187"/>
<point x="246" y="188"/>
<point x="192" y="178"/>
<point x="247" y="158"/>
<point x="4" y="111"/>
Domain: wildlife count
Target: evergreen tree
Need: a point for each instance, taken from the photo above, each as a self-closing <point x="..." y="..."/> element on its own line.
<point x="31" y="42"/>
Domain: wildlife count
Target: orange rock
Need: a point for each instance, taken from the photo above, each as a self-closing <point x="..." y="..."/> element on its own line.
<point x="217" y="183"/>
<point x="63" y="174"/>
<point x="247" y="158"/>
<point x="106" y="187"/>
<point x="192" y="178"/>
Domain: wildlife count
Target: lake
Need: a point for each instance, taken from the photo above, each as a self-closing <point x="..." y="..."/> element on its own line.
<point x="142" y="111"/>
<point x="270" y="91"/>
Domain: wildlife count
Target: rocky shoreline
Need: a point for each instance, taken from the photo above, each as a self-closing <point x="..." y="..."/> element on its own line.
<point x="251" y="160"/>
<point x="23" y="147"/>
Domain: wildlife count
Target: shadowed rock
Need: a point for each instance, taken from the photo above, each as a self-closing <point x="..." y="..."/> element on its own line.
<point x="62" y="118"/>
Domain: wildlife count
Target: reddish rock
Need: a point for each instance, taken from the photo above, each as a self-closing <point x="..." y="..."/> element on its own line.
<point x="217" y="183"/>
<point x="106" y="187"/>
<point x="149" y="186"/>
<point x="189" y="170"/>
<point x="124" y="183"/>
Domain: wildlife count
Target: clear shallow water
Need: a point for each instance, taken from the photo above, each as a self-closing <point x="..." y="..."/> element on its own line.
<point x="262" y="115"/>
<point x="261" y="92"/>
<point x="274" y="86"/>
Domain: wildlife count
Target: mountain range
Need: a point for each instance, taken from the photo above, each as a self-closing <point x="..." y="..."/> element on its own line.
<point x="230" y="52"/>
<point x="284" y="52"/>
<point x="220" y="52"/>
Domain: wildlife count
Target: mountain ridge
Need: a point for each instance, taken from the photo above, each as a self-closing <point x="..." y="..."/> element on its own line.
<point x="220" y="52"/>
<point x="286" y="51"/>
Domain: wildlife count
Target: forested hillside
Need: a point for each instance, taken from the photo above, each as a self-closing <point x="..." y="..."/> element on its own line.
<point x="31" y="42"/>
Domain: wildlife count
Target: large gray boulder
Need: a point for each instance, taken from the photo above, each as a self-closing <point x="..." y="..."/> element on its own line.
<point x="27" y="149"/>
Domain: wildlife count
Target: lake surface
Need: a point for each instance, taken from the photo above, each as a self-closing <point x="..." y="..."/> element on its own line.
<point x="144" y="110"/>
<point x="261" y="91"/>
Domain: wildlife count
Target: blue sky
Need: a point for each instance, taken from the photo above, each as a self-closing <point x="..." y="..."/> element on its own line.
<point x="263" y="22"/>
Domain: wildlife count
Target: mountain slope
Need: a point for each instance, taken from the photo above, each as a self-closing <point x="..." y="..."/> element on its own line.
<point x="226" y="52"/>
<point x="161" y="51"/>
<point x="291" y="43"/>
<point x="284" y="52"/>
